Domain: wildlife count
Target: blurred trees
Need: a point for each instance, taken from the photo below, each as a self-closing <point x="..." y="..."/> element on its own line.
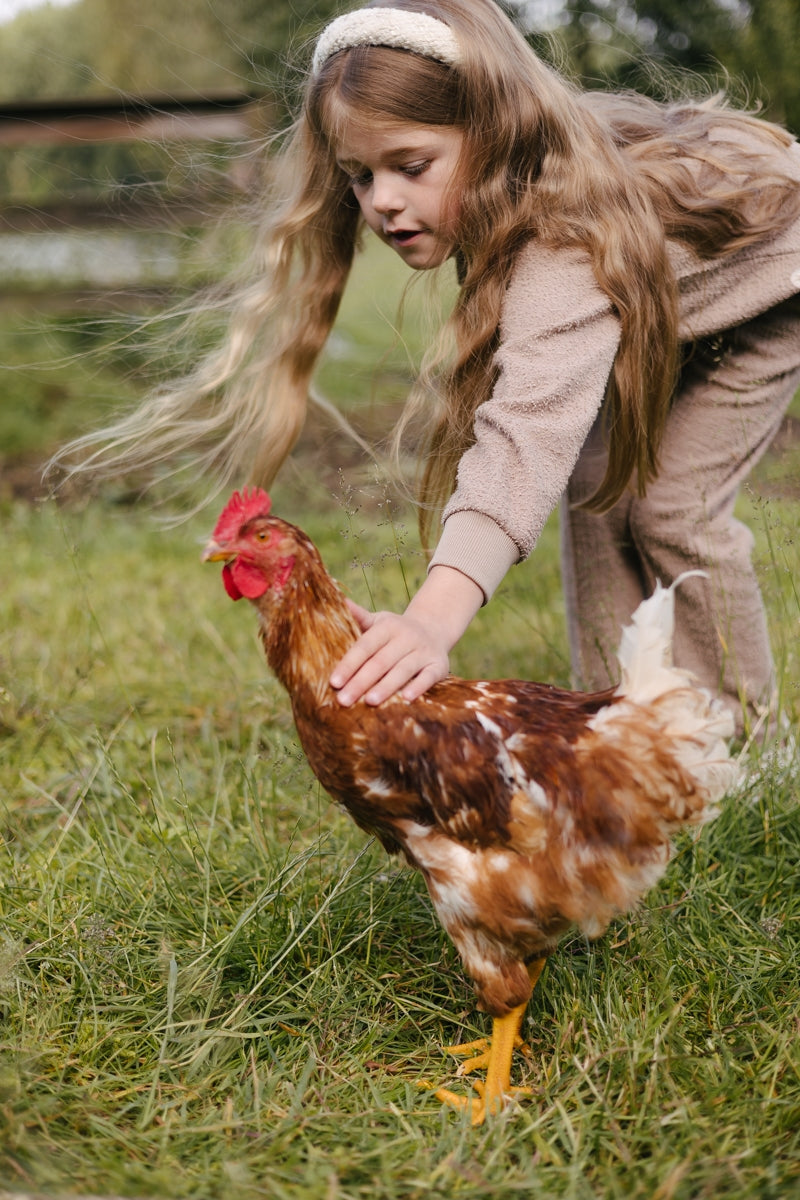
<point x="749" y="48"/>
<point x="184" y="48"/>
<point x="97" y="47"/>
<point x="190" y="46"/>
<point x="197" y="47"/>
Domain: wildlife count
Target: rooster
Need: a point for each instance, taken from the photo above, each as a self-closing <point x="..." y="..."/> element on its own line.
<point x="527" y="809"/>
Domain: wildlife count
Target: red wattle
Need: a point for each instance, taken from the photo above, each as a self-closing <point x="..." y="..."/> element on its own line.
<point x="230" y="586"/>
<point x="248" y="579"/>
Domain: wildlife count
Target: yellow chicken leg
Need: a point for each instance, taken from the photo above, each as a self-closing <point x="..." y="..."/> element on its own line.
<point x="495" y="1054"/>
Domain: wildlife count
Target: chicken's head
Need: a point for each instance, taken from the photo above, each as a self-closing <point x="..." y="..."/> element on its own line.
<point x="258" y="550"/>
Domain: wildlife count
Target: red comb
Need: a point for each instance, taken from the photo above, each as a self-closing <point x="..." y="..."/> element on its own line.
<point x="242" y="507"/>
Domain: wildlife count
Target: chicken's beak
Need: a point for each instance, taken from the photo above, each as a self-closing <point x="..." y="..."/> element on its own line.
<point x="216" y="553"/>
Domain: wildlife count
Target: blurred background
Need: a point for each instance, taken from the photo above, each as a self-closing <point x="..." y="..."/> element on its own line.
<point x="127" y="126"/>
<point x="209" y="986"/>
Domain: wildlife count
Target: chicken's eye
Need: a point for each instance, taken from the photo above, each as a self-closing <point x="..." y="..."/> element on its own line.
<point x="262" y="535"/>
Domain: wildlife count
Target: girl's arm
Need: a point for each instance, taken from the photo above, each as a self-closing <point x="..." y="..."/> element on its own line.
<point x="408" y="652"/>
<point x="560" y="336"/>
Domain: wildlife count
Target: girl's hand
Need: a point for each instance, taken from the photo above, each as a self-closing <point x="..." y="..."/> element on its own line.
<point x="407" y="653"/>
<point x="394" y="654"/>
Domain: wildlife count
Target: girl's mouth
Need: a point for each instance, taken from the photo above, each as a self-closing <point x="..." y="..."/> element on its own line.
<point x="402" y="237"/>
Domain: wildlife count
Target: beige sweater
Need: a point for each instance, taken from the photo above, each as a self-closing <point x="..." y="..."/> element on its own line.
<point x="559" y="336"/>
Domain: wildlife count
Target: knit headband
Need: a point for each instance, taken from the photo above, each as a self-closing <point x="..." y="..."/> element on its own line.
<point x="393" y="27"/>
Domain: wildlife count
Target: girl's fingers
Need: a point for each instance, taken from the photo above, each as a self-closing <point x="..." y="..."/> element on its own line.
<point x="362" y="653"/>
<point x="379" y="677"/>
<point x="425" y="679"/>
<point x="391" y="682"/>
<point x="391" y="655"/>
<point x="406" y="680"/>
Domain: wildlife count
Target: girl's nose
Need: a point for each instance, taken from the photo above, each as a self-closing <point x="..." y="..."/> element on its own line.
<point x="386" y="195"/>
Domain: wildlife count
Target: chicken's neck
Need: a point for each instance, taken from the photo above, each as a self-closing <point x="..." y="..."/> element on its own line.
<point x="306" y="627"/>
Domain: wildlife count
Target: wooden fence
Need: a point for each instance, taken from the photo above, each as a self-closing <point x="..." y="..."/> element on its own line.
<point x="222" y="117"/>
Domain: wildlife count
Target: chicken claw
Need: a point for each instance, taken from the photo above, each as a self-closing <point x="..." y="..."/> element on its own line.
<point x="495" y="1055"/>
<point x="481" y="1051"/>
<point x="478" y="1107"/>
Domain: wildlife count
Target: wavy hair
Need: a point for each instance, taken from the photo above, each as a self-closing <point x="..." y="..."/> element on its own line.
<point x="615" y="174"/>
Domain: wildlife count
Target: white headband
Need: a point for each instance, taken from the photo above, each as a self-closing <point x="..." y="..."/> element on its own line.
<point x="393" y="27"/>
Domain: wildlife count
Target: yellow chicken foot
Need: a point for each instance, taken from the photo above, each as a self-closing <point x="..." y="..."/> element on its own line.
<point x="481" y="1052"/>
<point x="497" y="1061"/>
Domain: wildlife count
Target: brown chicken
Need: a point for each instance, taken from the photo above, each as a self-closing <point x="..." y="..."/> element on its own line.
<point x="528" y="809"/>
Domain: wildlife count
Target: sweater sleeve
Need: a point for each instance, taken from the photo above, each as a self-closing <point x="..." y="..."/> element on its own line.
<point x="558" y="338"/>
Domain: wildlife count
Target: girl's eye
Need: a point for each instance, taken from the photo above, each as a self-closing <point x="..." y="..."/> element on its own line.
<point x="364" y="178"/>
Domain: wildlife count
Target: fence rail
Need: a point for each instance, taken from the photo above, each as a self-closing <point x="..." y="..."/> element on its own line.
<point x="119" y="209"/>
<point x="223" y="116"/>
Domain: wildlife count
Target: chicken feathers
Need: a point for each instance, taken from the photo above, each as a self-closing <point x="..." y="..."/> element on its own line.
<point x="528" y="809"/>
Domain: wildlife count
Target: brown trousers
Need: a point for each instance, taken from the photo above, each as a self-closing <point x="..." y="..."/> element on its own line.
<point x="733" y="392"/>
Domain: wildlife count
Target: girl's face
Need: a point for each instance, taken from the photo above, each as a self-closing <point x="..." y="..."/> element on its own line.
<point x="399" y="175"/>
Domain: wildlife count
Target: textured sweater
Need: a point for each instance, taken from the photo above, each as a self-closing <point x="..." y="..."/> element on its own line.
<point x="558" y="339"/>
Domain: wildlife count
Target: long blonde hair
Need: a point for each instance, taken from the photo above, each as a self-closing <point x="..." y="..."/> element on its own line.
<point x="614" y="174"/>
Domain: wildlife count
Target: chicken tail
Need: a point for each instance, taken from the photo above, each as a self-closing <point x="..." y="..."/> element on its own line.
<point x="645" y="649"/>
<point x="697" y="725"/>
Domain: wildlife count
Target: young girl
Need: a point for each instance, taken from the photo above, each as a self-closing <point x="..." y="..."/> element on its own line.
<point x="626" y="335"/>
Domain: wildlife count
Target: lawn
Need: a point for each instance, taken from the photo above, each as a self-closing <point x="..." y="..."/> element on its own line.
<point x="213" y="985"/>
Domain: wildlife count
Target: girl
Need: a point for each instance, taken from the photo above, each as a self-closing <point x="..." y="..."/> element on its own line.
<point x="626" y="335"/>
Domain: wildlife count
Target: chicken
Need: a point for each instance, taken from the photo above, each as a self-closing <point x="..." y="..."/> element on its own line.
<point x="527" y="809"/>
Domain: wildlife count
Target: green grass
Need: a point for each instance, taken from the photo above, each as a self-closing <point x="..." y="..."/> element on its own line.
<point x="212" y="985"/>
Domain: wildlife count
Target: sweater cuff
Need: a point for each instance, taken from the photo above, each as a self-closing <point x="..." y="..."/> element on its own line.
<point x="476" y="546"/>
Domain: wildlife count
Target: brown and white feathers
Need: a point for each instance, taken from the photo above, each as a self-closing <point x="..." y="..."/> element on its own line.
<point x="528" y="809"/>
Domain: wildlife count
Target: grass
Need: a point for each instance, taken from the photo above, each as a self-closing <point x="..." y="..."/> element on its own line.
<point x="212" y="985"/>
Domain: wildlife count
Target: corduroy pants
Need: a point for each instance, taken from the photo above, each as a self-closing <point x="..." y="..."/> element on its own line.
<point x="733" y="392"/>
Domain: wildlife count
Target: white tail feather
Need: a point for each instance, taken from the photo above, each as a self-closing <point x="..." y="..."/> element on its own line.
<point x="697" y="725"/>
<point x="645" y="649"/>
